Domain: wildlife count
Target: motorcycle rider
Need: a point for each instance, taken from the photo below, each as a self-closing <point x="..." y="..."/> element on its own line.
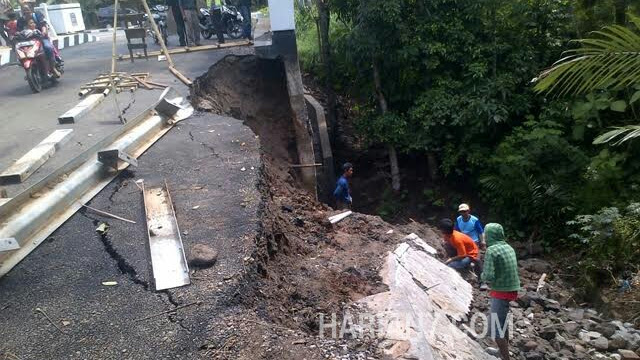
<point x="40" y="24"/>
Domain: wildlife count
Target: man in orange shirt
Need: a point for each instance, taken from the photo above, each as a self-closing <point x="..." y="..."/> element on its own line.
<point x="466" y="250"/>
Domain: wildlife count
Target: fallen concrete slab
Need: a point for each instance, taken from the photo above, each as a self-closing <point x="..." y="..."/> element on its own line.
<point x="32" y="160"/>
<point x="413" y="316"/>
<point x="32" y="215"/>
<point x="83" y="107"/>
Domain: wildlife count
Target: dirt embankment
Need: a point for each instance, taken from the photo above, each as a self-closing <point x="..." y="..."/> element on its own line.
<point x="303" y="266"/>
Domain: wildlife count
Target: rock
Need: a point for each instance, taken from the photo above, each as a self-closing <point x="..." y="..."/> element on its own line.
<point x="579" y="348"/>
<point x="533" y="355"/>
<point x="576" y="315"/>
<point x="552" y="305"/>
<point x="617" y="341"/>
<point x="618" y="324"/>
<point x="600" y="343"/>
<point x="536" y="265"/>
<point x="525" y="299"/>
<point x="571" y="328"/>
<point x="587" y="336"/>
<point x="530" y="345"/>
<point x="548" y="333"/>
<point x="202" y="256"/>
<point x="628" y="355"/>
<point x="606" y="329"/>
<point x="493" y="351"/>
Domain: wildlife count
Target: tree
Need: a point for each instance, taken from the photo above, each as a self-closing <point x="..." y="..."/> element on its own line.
<point x="608" y="61"/>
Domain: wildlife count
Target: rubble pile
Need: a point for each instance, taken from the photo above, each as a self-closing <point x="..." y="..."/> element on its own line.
<point x="546" y="326"/>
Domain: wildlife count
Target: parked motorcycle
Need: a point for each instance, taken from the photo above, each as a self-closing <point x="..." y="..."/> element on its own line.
<point x="231" y="22"/>
<point x="30" y="52"/>
<point x="159" y="13"/>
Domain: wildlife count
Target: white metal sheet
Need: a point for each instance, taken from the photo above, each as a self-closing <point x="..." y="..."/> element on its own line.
<point x="168" y="260"/>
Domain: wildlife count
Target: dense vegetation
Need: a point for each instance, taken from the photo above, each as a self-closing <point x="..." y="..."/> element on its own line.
<point x="463" y="83"/>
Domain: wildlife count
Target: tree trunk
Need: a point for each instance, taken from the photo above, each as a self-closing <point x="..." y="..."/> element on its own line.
<point x="621" y="10"/>
<point x="393" y="156"/>
<point x="324" y="21"/>
<point x="432" y="164"/>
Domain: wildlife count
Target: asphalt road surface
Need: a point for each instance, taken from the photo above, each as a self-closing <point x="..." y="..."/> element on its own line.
<point x="216" y="204"/>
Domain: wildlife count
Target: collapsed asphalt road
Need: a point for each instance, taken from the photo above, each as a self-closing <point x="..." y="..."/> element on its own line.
<point x="211" y="165"/>
<point x="53" y="304"/>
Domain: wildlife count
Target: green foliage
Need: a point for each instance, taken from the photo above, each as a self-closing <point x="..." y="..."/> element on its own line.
<point x="609" y="241"/>
<point x="609" y="60"/>
<point x="531" y="175"/>
<point x="391" y="204"/>
<point x="456" y="76"/>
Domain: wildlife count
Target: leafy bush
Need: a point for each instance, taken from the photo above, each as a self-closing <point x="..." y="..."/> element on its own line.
<point x="531" y="176"/>
<point x="609" y="241"/>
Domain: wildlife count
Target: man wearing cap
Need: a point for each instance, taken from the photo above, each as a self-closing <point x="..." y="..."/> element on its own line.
<point x="470" y="225"/>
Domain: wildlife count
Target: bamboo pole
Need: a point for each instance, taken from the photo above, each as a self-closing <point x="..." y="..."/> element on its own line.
<point x="157" y="32"/>
<point x="113" y="62"/>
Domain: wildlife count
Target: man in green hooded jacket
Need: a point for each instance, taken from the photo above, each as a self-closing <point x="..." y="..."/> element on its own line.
<point x="501" y="272"/>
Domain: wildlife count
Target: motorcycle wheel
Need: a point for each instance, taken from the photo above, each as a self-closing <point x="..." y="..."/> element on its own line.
<point x="234" y="29"/>
<point x="206" y="34"/>
<point x="34" y="78"/>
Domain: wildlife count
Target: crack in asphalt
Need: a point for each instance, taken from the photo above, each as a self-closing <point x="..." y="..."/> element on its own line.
<point x="124" y="267"/>
<point x="213" y="151"/>
<point x="122" y="177"/>
<point x="170" y="298"/>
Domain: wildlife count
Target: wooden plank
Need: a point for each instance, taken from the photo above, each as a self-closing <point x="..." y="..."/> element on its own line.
<point x="185" y="80"/>
<point x="82" y="108"/>
<point x="32" y="160"/>
<point x="143" y="83"/>
<point x="156" y="84"/>
<point x="193" y="49"/>
<point x="168" y="262"/>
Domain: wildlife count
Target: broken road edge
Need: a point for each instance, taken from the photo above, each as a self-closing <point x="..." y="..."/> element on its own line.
<point x="31" y="216"/>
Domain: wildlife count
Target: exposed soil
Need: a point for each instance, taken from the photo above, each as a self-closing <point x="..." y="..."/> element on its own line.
<point x="303" y="266"/>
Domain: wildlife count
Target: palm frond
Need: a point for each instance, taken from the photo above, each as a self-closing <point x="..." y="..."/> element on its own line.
<point x="631" y="131"/>
<point x="610" y="59"/>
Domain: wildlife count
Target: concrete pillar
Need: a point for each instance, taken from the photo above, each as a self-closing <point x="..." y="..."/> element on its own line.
<point x="283" y="46"/>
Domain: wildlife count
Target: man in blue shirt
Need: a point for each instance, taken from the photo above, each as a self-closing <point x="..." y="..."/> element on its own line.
<point x="470" y="225"/>
<point x="342" y="192"/>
